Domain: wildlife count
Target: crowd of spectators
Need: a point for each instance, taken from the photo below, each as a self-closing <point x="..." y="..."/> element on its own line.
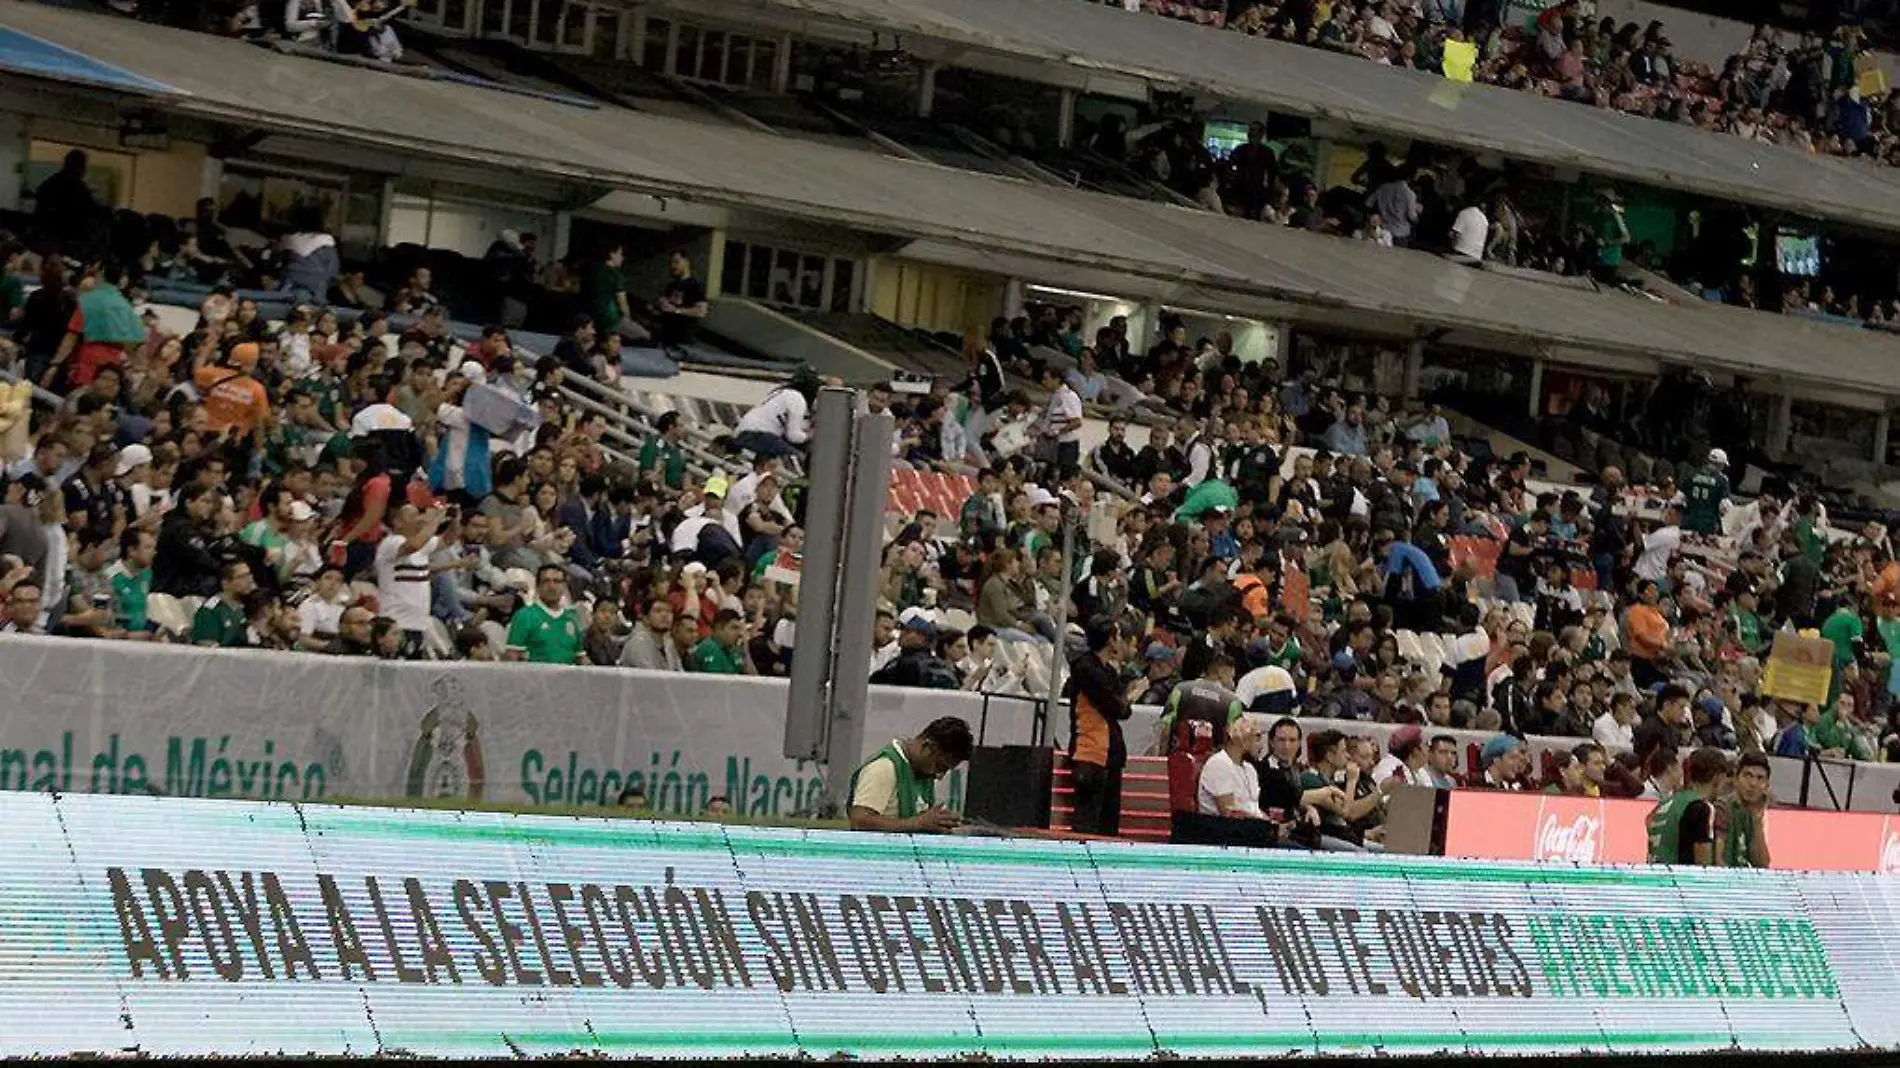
<point x="1297" y="550"/>
<point x="1806" y="95"/>
<point x="1440" y="200"/>
<point x="328" y="483"/>
<point x="359" y="28"/>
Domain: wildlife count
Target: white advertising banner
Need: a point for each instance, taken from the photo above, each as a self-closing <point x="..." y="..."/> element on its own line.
<point x="175" y="927"/>
<point x="119" y="717"/>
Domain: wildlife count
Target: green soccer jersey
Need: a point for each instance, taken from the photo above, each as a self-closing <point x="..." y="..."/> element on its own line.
<point x="1738" y="835"/>
<point x="713" y="658"/>
<point x="222" y="624"/>
<point x="1703" y="494"/>
<point x="545" y="637"/>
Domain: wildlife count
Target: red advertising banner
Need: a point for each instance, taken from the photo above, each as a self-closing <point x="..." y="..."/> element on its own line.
<point x="1494" y="825"/>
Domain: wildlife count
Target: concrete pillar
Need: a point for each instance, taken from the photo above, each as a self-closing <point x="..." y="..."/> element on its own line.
<point x="1013" y="298"/>
<point x="563" y="234"/>
<point x="867" y="284"/>
<point x="385" y="212"/>
<point x="715" y="258"/>
<point x="635" y="27"/>
<point x="1536" y="402"/>
<point x="1780" y="425"/>
<point x="782" y="66"/>
<point x="1414" y="368"/>
<point x="1882" y="426"/>
<point x="927" y="91"/>
<point x="1065" y="119"/>
<point x="13" y="156"/>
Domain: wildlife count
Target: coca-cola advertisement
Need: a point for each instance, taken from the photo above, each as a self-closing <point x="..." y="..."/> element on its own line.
<point x="1578" y="838"/>
<point x="1491" y="825"/>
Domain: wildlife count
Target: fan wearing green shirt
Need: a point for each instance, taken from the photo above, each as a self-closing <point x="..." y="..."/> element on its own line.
<point x="131" y="579"/>
<point x="548" y="631"/>
<point x="1844" y="628"/>
<point x="222" y="622"/>
<point x="606" y="291"/>
<point x="661" y="456"/>
<point x="1704" y="494"/>
<point x="1741" y="818"/>
<point x="724" y="653"/>
<point x="1682" y="826"/>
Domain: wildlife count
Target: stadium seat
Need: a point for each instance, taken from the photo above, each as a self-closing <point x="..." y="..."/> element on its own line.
<point x="168" y="614"/>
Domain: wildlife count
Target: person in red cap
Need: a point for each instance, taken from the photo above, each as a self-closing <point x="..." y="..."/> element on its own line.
<point x="233" y="399"/>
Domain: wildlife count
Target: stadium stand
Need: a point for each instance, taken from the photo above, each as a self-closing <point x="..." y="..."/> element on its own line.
<point x="257" y="437"/>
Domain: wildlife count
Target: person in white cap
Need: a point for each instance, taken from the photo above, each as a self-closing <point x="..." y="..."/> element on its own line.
<point x="1706" y="496"/>
<point x="132" y="473"/>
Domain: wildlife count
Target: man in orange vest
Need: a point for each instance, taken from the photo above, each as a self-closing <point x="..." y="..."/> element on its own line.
<point x="233" y="399"/>
<point x="1097" y="753"/>
<point x="1256" y="589"/>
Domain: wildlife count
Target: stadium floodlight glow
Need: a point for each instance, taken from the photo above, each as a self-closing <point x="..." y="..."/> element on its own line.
<point x="1079" y="294"/>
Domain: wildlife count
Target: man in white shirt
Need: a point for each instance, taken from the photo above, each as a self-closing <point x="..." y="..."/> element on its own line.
<point x="1061" y="422"/>
<point x="1659" y="546"/>
<point x="1229" y="786"/>
<point x="402" y="569"/>
<point x="1468" y="233"/>
<point x="1615" y="730"/>
<point x="779" y="425"/>
<point x="747" y="487"/>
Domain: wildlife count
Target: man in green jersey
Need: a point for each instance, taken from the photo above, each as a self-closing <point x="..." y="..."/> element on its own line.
<point x="1682" y="826"/>
<point x="1704" y="493"/>
<point x="1741" y="818"/>
<point x="547" y="631"/>
<point x="222" y="621"/>
<point x="724" y="651"/>
<point x="896" y="789"/>
<point x="662" y="456"/>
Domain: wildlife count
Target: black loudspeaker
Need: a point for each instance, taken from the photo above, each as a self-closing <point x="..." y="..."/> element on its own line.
<point x="1010" y="785"/>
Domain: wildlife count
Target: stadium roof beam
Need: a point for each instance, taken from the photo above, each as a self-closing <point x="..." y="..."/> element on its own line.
<point x="1176" y="56"/>
<point x="512" y="135"/>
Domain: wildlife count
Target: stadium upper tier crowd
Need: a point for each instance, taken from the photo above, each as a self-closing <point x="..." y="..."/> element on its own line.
<point x="1807" y="96"/>
<point x="330" y="483"/>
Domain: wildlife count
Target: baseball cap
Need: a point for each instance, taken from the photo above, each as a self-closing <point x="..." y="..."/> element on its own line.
<point x="717" y="485"/>
<point x="1039" y="497"/>
<point x="1158" y="652"/>
<point x="131" y="457"/>
<point x="1718" y="457"/>
<point x="300" y="512"/>
<point x="1497" y="747"/>
<point x="379" y="417"/>
<point x="920" y="624"/>
<point x="1276" y="679"/>
<point x="1403" y="737"/>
